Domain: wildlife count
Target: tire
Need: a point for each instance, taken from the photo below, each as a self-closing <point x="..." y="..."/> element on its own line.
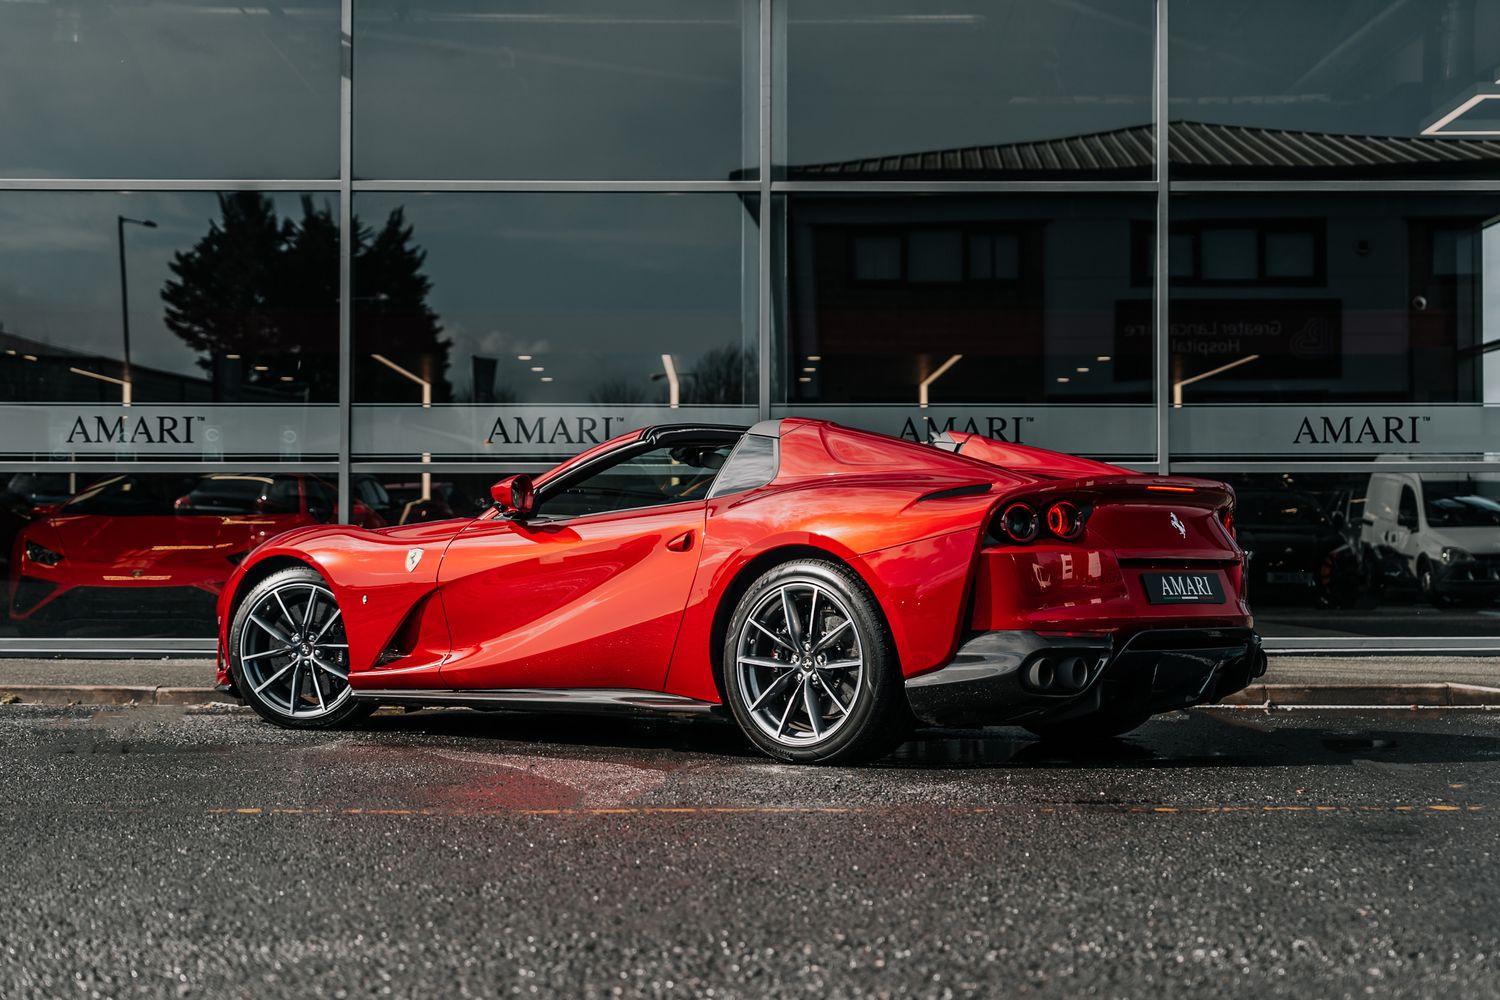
<point x="1427" y="581"/>
<point x="305" y="685"/>
<point x="836" y="700"/>
<point x="1105" y="724"/>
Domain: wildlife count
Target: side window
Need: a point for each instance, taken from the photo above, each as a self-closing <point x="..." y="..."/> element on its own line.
<point x="1407" y="516"/>
<point x="752" y="464"/>
<point x="670" y="474"/>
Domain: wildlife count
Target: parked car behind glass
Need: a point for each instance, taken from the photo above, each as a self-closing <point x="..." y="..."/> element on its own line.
<point x="1439" y="532"/>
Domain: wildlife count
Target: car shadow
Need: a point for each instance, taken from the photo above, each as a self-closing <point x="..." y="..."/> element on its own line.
<point x="1183" y="740"/>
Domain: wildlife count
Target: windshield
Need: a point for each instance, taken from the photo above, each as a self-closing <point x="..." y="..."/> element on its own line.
<point x="1461" y="503"/>
<point x="164" y="496"/>
<point x="128" y="496"/>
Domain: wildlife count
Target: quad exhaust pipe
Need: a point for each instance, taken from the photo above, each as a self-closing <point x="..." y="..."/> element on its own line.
<point x="1058" y="674"/>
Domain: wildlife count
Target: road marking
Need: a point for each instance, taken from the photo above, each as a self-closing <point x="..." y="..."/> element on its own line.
<point x="1435" y="807"/>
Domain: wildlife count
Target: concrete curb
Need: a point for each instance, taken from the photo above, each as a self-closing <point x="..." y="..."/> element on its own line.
<point x="99" y="694"/>
<point x="1257" y="697"/>
<point x="1285" y="696"/>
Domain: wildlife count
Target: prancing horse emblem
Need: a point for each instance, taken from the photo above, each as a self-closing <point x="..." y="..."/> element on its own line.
<point x="414" y="556"/>
<point x="1176" y="523"/>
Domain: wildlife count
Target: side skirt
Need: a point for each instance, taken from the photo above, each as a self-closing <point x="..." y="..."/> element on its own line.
<point x="589" y="701"/>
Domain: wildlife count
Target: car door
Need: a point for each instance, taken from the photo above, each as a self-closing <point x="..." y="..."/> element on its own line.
<point x="589" y="592"/>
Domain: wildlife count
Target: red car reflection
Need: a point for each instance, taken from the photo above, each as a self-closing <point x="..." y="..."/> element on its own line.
<point x="131" y="546"/>
<point x="822" y="586"/>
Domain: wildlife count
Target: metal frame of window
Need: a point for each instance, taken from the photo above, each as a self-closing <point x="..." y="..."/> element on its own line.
<point x="771" y="196"/>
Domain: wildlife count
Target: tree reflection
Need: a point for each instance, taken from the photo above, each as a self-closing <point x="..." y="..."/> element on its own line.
<point x="257" y="296"/>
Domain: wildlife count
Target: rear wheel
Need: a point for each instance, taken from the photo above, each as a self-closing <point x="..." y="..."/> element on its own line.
<point x="289" y="655"/>
<point x="809" y="669"/>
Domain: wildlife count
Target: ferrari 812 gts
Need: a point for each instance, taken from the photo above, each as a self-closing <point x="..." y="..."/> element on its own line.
<point x="826" y="587"/>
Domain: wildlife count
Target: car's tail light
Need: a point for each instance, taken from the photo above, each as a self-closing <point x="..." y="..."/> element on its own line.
<point x="1065" y="520"/>
<point x="1228" y="517"/>
<point x="1019" y="523"/>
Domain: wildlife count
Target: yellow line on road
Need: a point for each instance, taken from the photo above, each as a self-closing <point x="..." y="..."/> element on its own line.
<point x="1435" y="807"/>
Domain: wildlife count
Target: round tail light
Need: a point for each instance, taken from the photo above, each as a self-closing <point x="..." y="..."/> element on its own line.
<point x="1019" y="522"/>
<point x="1064" y="520"/>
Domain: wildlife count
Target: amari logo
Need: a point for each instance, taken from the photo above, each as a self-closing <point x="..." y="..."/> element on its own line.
<point x="1007" y="429"/>
<point x="554" y="430"/>
<point x="1384" y="429"/>
<point x="145" y="429"/>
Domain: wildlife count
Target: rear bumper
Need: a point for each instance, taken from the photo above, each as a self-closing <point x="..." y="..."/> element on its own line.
<point x="1020" y="677"/>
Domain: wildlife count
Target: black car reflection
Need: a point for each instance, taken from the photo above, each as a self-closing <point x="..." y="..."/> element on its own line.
<point x="1299" y="552"/>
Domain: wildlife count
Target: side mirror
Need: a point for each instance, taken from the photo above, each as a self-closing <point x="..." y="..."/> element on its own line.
<point x="514" y="497"/>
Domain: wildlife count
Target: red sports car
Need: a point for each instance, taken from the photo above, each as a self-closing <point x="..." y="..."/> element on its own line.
<point x="826" y="586"/>
<point x="124" y="545"/>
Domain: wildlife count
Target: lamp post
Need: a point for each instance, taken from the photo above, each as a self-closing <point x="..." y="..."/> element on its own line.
<point x="120" y="221"/>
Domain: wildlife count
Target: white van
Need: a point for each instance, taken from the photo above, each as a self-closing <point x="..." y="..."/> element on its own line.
<point x="1439" y="530"/>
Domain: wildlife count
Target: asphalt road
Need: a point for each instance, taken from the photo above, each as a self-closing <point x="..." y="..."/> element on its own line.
<point x="1284" y="668"/>
<point x="149" y="852"/>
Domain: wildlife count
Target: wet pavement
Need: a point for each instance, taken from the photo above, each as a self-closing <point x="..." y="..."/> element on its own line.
<point x="1284" y="668"/>
<point x="158" y="852"/>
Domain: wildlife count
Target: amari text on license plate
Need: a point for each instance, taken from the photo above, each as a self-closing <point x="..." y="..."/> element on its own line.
<point x="1183" y="588"/>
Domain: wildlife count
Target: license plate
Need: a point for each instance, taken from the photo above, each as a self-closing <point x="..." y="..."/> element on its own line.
<point x="1183" y="588"/>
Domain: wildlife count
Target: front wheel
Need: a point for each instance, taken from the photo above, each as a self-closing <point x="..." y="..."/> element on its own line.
<point x="1427" y="581"/>
<point x="810" y="672"/>
<point x="289" y="655"/>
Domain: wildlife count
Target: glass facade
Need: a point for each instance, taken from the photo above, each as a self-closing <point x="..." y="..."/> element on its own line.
<point x="265" y="268"/>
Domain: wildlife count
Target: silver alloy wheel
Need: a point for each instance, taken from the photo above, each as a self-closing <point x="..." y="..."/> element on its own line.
<point x="799" y="664"/>
<point x="293" y="651"/>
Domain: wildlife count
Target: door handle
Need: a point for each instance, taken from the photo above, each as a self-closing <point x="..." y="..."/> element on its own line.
<point x="682" y="542"/>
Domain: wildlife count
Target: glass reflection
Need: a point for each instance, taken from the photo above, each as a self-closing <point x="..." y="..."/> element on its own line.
<point x="186" y="89"/>
<point x="965" y="89"/>
<point x="590" y="89"/>
<point x="168" y="298"/>
<point x="1318" y="299"/>
<point x="556" y="299"/>
<point x="1392" y="553"/>
<point x="927" y="301"/>
<point x="144" y="554"/>
<point x="1365" y="88"/>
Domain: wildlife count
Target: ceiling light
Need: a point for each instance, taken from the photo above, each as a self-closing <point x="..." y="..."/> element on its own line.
<point x="809" y="370"/>
<point x="1102" y="357"/>
<point x="815" y="357"/>
<point x="286" y="378"/>
<point x="262" y="368"/>
<point x="1081" y="371"/>
<point x="523" y="357"/>
<point x="29" y="357"/>
<point x="538" y="368"/>
<point x="232" y="357"/>
<point x="1063" y="378"/>
<point x="546" y="378"/>
<point x="804" y="379"/>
